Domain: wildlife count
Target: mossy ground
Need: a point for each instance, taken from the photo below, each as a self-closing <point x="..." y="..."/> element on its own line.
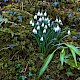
<point x="24" y="59"/>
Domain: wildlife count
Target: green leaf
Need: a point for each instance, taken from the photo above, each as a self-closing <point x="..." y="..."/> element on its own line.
<point x="62" y="56"/>
<point x="72" y="64"/>
<point x="74" y="56"/>
<point x="45" y="65"/>
<point x="77" y="51"/>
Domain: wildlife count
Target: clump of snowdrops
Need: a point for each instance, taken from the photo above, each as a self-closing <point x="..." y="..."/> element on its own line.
<point x="46" y="31"/>
<point x="49" y="36"/>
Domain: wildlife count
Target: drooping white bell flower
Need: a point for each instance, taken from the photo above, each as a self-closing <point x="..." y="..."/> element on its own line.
<point x="68" y="32"/>
<point x="37" y="23"/>
<point x="45" y="27"/>
<point x="43" y="18"/>
<point x="56" y="20"/>
<point x="44" y="31"/>
<point x="31" y="22"/>
<point x="56" y="29"/>
<point x="38" y="14"/>
<point x="40" y="19"/>
<point x="35" y="17"/>
<point x="48" y="21"/>
<point x="38" y="27"/>
<point x="42" y="24"/>
<point x="45" y="14"/>
<point x="60" y="22"/>
<point x="41" y="14"/>
<point x="49" y="24"/>
<point x="41" y="39"/>
<point x="34" y="31"/>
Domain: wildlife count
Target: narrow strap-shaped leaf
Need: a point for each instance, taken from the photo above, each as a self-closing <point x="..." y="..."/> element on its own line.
<point x="44" y="66"/>
<point x="74" y="56"/>
<point x="62" y="56"/>
<point x="77" y="51"/>
<point x="71" y="63"/>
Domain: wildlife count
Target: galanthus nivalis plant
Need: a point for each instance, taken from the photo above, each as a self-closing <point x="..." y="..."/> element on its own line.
<point x="49" y="36"/>
<point x="47" y="33"/>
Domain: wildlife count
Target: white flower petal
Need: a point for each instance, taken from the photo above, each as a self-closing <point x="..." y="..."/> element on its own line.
<point x="41" y="39"/>
<point x="69" y="32"/>
<point x="45" y="27"/>
<point x="44" y="31"/>
<point x="38" y="14"/>
<point x="34" y="31"/>
<point x="31" y="22"/>
<point x="41" y="14"/>
<point x="56" y="20"/>
<point x="45" y="14"/>
<point x="56" y="29"/>
<point x="35" y="17"/>
<point x="37" y="23"/>
<point x="40" y="19"/>
<point x="38" y="27"/>
<point x="42" y="24"/>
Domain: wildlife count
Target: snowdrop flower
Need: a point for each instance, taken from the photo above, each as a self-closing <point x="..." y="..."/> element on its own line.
<point x="35" y="17"/>
<point x="68" y="32"/>
<point x="48" y="21"/>
<point x="34" y="31"/>
<point x="45" y="27"/>
<point x="37" y="23"/>
<point x="60" y="22"/>
<point x="57" y="28"/>
<point x="40" y="19"/>
<point x="31" y="22"/>
<point x="38" y="14"/>
<point x="42" y="24"/>
<point x="41" y="14"/>
<point x="56" y="20"/>
<point x="41" y="39"/>
<point x="45" y="14"/>
<point x="44" y="31"/>
<point x="38" y="27"/>
<point x="49" y="24"/>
